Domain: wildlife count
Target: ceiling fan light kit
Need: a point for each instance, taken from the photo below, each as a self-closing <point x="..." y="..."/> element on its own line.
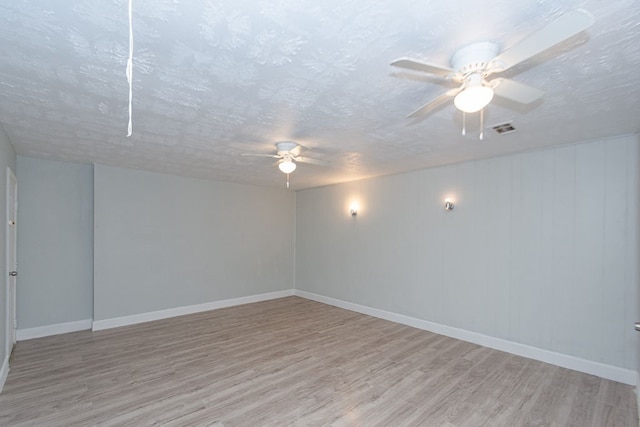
<point x="475" y="96"/>
<point x="287" y="166"/>
<point x="471" y="62"/>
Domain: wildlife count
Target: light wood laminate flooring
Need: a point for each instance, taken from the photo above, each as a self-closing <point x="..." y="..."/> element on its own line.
<point x="294" y="362"/>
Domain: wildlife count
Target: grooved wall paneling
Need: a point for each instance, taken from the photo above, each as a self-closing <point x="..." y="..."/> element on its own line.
<point x="541" y="248"/>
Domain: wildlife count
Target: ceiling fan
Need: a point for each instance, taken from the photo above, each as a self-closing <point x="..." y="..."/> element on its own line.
<point x="472" y="65"/>
<point x="288" y="153"/>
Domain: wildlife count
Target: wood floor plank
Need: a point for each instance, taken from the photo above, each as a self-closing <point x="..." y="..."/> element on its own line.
<point x="295" y="362"/>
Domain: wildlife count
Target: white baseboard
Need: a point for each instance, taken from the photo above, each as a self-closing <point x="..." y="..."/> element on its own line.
<point x="602" y="370"/>
<point x="4" y="371"/>
<point x="181" y="311"/>
<point x="55" y="329"/>
<point x="638" y="397"/>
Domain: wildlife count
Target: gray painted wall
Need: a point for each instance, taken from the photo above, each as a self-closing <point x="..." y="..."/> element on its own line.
<point x="7" y="159"/>
<point x="541" y="248"/>
<point x="163" y="241"/>
<point x="55" y="242"/>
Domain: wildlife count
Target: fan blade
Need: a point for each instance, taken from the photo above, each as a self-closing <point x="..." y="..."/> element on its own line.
<point x="427" y="108"/>
<point x="412" y="64"/>
<point x="295" y="151"/>
<point x="311" y="161"/>
<point x="564" y="27"/>
<point x="516" y="91"/>
<point x="273" y="156"/>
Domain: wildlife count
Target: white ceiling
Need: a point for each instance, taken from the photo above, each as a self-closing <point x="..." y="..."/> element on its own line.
<point x="214" y="79"/>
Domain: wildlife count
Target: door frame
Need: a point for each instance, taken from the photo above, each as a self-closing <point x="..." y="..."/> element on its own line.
<point x="11" y="253"/>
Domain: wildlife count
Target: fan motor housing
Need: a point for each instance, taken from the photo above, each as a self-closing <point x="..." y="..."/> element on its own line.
<point x="285" y="146"/>
<point x="474" y="58"/>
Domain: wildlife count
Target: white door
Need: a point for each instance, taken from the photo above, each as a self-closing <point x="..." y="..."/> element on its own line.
<point x="12" y="265"/>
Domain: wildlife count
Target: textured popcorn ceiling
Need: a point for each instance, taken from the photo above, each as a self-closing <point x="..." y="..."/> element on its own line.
<point x="214" y="79"/>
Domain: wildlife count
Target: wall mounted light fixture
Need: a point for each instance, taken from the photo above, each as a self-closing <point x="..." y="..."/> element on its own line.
<point x="353" y="210"/>
<point x="448" y="205"/>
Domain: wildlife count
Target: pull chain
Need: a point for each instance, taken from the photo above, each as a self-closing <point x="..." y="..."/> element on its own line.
<point x="287" y="180"/>
<point x="481" y="124"/>
<point x="464" y="123"/>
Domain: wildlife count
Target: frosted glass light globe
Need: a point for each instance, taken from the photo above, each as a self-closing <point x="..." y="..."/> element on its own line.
<point x="287" y="166"/>
<point x="473" y="98"/>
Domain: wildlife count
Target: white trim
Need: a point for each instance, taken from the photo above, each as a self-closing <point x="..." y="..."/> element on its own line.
<point x="55" y="329"/>
<point x="626" y="376"/>
<point x="638" y="395"/>
<point x="181" y="311"/>
<point x="4" y="371"/>
<point x="10" y="250"/>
